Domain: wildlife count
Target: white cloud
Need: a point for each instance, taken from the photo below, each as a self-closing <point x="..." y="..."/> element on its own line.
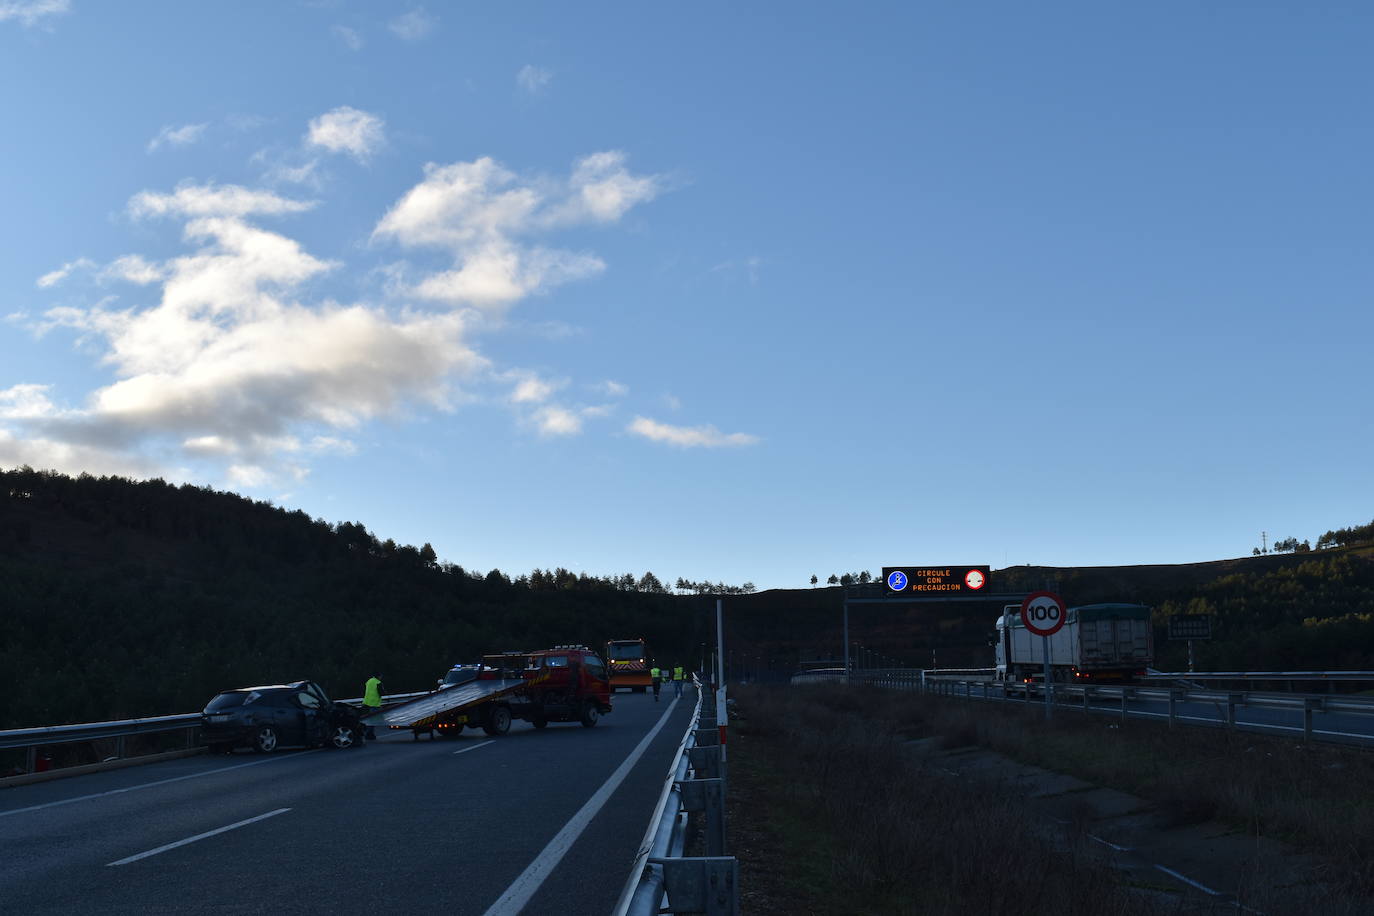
<point x="30" y="12"/>
<point x="348" y="37"/>
<point x="688" y="437"/>
<point x="533" y="79"/>
<point x="531" y="389"/>
<point x="176" y="136"/>
<point x="347" y="130"/>
<point x="228" y="366"/>
<point x="21" y="401"/>
<point x="613" y="388"/>
<point x="133" y="269"/>
<point x="481" y="212"/>
<point x="557" y="421"/>
<point x="210" y="200"/>
<point x="54" y="277"/>
<point x="414" y="25"/>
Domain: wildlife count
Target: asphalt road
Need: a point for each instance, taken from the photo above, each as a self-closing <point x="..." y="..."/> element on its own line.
<point x="453" y="826"/>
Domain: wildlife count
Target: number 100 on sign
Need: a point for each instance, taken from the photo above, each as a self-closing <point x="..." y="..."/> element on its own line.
<point x="1043" y="613"/>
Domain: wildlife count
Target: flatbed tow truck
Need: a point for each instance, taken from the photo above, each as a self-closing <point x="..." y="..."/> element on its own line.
<point x="562" y="684"/>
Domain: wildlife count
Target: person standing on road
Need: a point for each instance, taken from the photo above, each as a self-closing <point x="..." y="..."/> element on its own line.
<point x="372" y="701"/>
<point x="677" y="679"/>
<point x="656" y="675"/>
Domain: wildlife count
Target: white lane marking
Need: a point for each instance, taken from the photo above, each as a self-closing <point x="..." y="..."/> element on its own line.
<point x="474" y="747"/>
<point x="1186" y="880"/>
<point x="200" y="836"/>
<point x="148" y="785"/>
<point x="524" y="887"/>
<point x="1111" y="844"/>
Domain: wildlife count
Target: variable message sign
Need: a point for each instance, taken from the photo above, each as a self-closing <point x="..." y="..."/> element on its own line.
<point x="965" y="580"/>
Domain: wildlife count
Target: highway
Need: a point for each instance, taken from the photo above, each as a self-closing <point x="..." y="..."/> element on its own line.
<point x="535" y="821"/>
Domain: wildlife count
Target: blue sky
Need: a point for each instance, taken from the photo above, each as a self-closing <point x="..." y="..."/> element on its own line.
<point x="727" y="292"/>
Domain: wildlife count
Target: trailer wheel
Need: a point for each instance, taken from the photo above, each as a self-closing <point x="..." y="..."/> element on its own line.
<point x="590" y="714"/>
<point x="498" y="721"/>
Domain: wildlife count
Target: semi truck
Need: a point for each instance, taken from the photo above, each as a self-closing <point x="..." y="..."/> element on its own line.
<point x="1096" y="642"/>
<point x="630" y="663"/>
<point x="562" y="684"/>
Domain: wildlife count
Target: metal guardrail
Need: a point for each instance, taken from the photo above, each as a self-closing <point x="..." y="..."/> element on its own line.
<point x="49" y="735"/>
<point x="692" y="884"/>
<point x="1226" y="702"/>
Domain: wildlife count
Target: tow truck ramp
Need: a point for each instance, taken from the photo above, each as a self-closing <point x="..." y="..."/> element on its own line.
<point x="421" y="712"/>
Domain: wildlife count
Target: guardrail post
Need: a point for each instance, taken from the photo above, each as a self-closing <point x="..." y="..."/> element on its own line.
<point x="1086" y="691"/>
<point x="707" y="795"/>
<point x="30" y="758"/>
<point x="707" y="737"/>
<point x="1126" y="694"/>
<point x="985" y="690"/>
<point x="1308" y="705"/>
<point x="705" y="761"/>
<point x="701" y="885"/>
<point x="1175" y="694"/>
<point x="119" y="747"/>
<point x="1232" y="701"/>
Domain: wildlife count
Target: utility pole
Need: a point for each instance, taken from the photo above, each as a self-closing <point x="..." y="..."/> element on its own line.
<point x="1264" y="542"/>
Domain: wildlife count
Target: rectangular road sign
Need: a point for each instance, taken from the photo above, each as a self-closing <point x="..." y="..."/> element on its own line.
<point x="1190" y="626"/>
<point x="933" y="580"/>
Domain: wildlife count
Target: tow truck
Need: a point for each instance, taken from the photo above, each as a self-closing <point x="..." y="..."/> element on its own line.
<point x="532" y="686"/>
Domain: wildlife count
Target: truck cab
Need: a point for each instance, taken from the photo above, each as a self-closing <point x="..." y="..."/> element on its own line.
<point x="570" y="676"/>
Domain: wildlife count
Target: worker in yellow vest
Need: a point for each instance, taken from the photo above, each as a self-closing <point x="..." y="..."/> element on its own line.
<point x="372" y="701"/>
<point x="655" y="673"/>
<point x="678" y="679"/>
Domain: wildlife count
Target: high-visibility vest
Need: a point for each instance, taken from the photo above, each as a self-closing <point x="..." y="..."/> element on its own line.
<point x="371" y="695"/>
<point x="677" y="673"/>
<point x="654" y="673"/>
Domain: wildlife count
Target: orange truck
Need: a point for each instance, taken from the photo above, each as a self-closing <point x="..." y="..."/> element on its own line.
<point x="630" y="663"/>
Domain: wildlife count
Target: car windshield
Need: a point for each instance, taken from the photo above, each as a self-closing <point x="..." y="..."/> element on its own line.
<point x="629" y="651"/>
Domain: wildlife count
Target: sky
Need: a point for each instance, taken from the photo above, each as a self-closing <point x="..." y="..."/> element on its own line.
<point x="721" y="291"/>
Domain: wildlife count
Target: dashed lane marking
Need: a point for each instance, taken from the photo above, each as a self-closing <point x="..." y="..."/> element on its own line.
<point x="149" y="785"/>
<point x="198" y="837"/>
<point x="474" y="747"/>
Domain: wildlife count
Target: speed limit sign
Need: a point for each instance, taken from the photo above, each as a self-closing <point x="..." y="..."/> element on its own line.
<point x="1043" y="613"/>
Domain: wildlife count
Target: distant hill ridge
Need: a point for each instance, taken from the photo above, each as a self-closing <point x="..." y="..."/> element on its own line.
<point x="125" y="598"/>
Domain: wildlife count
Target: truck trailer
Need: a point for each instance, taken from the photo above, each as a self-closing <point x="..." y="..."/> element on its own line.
<point x="1097" y="642"/>
<point x="562" y="684"/>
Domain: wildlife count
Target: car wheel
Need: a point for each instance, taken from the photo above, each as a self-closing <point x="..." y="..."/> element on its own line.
<point x="342" y="736"/>
<point x="498" y="721"/>
<point x="590" y="714"/>
<point x="265" y="739"/>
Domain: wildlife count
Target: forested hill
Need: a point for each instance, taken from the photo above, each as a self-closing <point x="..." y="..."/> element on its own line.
<point x="129" y="599"/>
<point x="122" y="598"/>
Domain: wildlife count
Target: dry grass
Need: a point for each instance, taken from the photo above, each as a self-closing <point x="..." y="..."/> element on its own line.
<point x="859" y="825"/>
<point x="1317" y="797"/>
<point x="836" y="756"/>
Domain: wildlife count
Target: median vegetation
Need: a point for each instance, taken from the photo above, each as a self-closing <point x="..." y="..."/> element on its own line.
<point x="830" y="813"/>
<point x="825" y="778"/>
